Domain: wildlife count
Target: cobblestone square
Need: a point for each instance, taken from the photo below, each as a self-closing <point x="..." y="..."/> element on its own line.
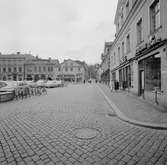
<point x="42" y="130"/>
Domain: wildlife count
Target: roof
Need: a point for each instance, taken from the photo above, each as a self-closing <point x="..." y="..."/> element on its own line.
<point x="17" y="55"/>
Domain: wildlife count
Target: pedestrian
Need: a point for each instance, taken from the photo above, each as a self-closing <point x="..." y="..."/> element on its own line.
<point x="44" y="90"/>
<point x="16" y="93"/>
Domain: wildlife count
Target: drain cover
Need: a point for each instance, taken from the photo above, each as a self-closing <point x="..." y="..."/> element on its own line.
<point x="86" y="133"/>
<point x="111" y="114"/>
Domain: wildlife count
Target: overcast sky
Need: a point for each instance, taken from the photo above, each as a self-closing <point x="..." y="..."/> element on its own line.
<point x="58" y="29"/>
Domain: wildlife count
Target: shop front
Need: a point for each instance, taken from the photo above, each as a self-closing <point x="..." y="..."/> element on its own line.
<point x="150" y="74"/>
<point x="125" y="77"/>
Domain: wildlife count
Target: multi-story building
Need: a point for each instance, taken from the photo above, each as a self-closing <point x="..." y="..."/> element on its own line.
<point x="12" y="66"/>
<point x="19" y="67"/>
<point x="38" y="68"/>
<point x="72" y="71"/>
<point x="139" y="51"/>
<point x="105" y="65"/>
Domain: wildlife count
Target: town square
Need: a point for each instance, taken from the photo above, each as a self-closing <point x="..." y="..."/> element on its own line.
<point x="83" y="82"/>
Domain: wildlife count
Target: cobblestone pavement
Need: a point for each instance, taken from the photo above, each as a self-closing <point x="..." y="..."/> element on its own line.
<point x="41" y="130"/>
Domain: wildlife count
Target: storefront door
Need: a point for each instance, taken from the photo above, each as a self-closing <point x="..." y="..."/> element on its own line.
<point x="141" y="82"/>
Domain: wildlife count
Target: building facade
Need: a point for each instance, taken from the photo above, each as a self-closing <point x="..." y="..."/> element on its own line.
<point x="12" y="66"/>
<point x="18" y="67"/>
<point x="38" y="68"/>
<point x="139" y="51"/>
<point x="72" y="71"/>
<point x="105" y="65"/>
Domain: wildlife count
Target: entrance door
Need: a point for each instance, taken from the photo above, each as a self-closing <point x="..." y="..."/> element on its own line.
<point x="141" y="82"/>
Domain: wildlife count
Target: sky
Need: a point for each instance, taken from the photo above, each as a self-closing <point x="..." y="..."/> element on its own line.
<point x="60" y="29"/>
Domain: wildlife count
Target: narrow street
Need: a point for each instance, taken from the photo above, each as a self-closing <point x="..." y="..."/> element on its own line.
<point x="47" y="129"/>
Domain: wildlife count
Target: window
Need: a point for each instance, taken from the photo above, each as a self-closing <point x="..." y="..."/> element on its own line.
<point x="122" y="19"/>
<point x="79" y="69"/>
<point x="20" y="69"/>
<point x="123" y="49"/>
<point x="119" y="54"/>
<point x="9" y="70"/>
<point x="15" y="69"/>
<point x="155" y="16"/>
<point x="44" y="68"/>
<point x="118" y="26"/>
<point x="71" y="69"/>
<point x="39" y="69"/>
<point x="127" y="8"/>
<point x="35" y="69"/>
<point x="51" y="68"/>
<point x="139" y="31"/>
<point x="59" y="69"/>
<point x="48" y="69"/>
<point x="114" y="58"/>
<point x="66" y="69"/>
<point x="4" y="69"/>
<point x="128" y="43"/>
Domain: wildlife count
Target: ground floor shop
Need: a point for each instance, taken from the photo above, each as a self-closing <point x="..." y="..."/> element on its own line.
<point x="105" y="77"/>
<point x="122" y="76"/>
<point x="12" y="77"/>
<point x="71" y="77"/>
<point x="36" y="77"/>
<point x="145" y="75"/>
<point x="152" y="75"/>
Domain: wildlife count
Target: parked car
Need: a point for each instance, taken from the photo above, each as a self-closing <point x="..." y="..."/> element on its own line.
<point x="8" y="86"/>
<point x="59" y="83"/>
<point x="41" y="83"/>
<point x="51" y="84"/>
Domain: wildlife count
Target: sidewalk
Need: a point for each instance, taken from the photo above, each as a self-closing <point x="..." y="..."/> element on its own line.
<point x="133" y="109"/>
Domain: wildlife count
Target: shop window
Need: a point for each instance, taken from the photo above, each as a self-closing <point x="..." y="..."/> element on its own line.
<point x="155" y="16"/>
<point x="152" y="73"/>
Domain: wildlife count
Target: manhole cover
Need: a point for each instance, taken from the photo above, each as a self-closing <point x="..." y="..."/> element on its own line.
<point x="86" y="133"/>
<point x="111" y="114"/>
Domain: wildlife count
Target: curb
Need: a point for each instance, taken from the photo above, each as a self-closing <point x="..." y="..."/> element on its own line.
<point x="124" y="118"/>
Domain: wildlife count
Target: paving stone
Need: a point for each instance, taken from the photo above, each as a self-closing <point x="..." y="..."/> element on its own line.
<point x="40" y="130"/>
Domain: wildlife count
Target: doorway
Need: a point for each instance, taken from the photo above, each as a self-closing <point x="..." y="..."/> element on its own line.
<point x="141" y="82"/>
